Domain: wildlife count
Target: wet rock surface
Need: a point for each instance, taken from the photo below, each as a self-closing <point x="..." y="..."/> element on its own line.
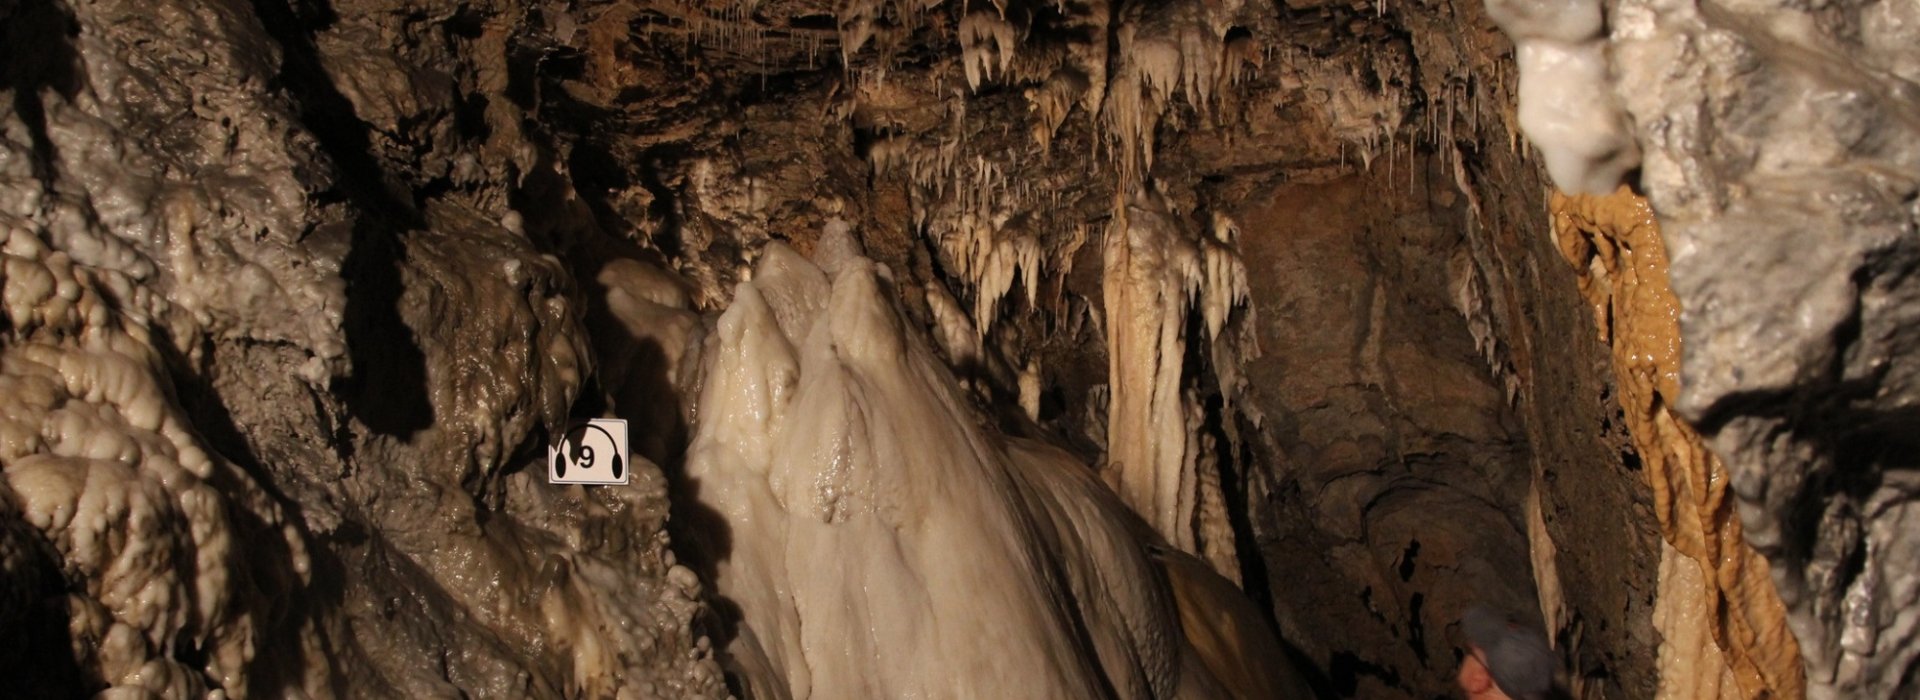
<point x="278" y="358"/>
<point x="1781" y="160"/>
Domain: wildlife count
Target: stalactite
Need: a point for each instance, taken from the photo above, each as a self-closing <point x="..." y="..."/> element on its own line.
<point x="1154" y="270"/>
<point x="1164" y="49"/>
<point x="1470" y="299"/>
<point x="213" y="465"/>
<point x="1052" y="101"/>
<point x="987" y="47"/>
<point x="1566" y="107"/>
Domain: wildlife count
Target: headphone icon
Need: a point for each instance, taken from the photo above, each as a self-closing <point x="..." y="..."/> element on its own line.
<point x="578" y="449"/>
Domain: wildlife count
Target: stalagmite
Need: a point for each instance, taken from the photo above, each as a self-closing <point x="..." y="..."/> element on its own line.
<point x="828" y="433"/>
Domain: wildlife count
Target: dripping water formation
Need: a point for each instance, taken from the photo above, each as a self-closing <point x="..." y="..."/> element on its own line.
<point x="965" y="348"/>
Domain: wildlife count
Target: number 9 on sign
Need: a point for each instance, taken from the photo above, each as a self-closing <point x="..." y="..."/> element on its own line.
<point x="591" y="452"/>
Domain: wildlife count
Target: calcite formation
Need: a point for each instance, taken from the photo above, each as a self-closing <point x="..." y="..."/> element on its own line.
<point x="1155" y="271"/>
<point x="830" y="433"/>
<point x="1725" y="629"/>
<point x="1777" y="143"/>
<point x="1567" y="108"/>
<point x="1780" y="156"/>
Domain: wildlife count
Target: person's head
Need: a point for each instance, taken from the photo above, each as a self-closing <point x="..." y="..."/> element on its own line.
<point x="1504" y="655"/>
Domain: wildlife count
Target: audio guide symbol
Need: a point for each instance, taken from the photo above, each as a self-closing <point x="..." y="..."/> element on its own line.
<point x="592" y="452"/>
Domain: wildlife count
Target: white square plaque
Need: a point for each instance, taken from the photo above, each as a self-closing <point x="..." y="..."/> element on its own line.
<point x="592" y="452"/>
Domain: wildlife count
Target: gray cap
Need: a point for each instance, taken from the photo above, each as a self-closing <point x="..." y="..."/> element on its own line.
<point x="1518" y="656"/>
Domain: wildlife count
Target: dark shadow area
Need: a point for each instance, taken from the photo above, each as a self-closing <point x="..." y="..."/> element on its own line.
<point x="702" y="539"/>
<point x="329" y="116"/>
<point x="1316" y="677"/>
<point x="327" y="592"/>
<point x="388" y="389"/>
<point x="631" y="374"/>
<point x="523" y="78"/>
<point x="37" y="55"/>
<point x="597" y="171"/>
<point x="282" y="603"/>
<point x="665" y="208"/>
<point x="1347" y="668"/>
<point x="36" y="648"/>
<point x="1416" y="628"/>
<point x="1235" y="459"/>
<point x="644" y="395"/>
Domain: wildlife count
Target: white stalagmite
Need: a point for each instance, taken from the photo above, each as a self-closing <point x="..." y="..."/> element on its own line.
<point x="1154" y="270"/>
<point x="1030" y="386"/>
<point x="953" y="330"/>
<point x="882" y="544"/>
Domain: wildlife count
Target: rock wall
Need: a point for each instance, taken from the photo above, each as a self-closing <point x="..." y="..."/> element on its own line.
<point x="275" y="352"/>
<point x="1781" y="159"/>
<point x="1778" y="154"/>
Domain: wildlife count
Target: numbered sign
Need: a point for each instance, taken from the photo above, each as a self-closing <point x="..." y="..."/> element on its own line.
<point x="592" y="452"/>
